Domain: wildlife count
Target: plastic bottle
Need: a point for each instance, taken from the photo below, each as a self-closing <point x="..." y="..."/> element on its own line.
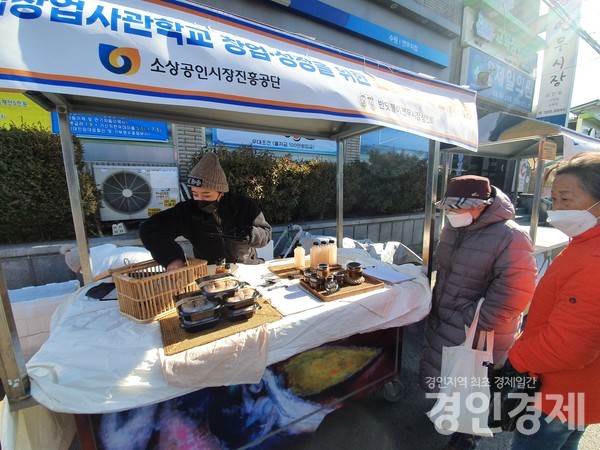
<point x="332" y="253"/>
<point x="299" y="256"/>
<point x="313" y="256"/>
<point x="323" y="253"/>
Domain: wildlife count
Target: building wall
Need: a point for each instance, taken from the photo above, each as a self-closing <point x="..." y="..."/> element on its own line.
<point x="435" y="26"/>
<point x="187" y="140"/>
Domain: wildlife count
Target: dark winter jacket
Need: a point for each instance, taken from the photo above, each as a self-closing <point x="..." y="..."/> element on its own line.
<point x="490" y="258"/>
<point x="236" y="215"/>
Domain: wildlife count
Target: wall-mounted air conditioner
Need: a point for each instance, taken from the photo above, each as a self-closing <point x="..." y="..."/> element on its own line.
<point x="134" y="191"/>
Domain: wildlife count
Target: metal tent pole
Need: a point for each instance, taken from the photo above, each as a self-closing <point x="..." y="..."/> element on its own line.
<point x="341" y="152"/>
<point x="12" y="365"/>
<point x="537" y="193"/>
<point x="433" y="164"/>
<point x="74" y="191"/>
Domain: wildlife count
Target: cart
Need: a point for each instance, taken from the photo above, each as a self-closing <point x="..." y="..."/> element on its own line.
<point x="284" y="246"/>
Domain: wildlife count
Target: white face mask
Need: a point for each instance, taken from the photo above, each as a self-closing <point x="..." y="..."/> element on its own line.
<point x="573" y="222"/>
<point x="459" y="220"/>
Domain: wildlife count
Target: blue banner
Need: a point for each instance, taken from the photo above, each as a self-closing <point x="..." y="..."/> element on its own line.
<point x="107" y="127"/>
<point x="342" y="19"/>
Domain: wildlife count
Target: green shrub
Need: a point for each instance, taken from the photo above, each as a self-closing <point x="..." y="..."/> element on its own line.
<point x="290" y="190"/>
<point x="34" y="187"/>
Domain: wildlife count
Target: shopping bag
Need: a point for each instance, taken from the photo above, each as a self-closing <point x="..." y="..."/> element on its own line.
<point x="464" y="398"/>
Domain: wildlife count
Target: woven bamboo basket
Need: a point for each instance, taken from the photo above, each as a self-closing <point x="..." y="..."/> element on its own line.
<point x="147" y="292"/>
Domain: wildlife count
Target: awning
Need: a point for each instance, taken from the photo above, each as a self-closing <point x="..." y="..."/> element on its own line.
<point x="508" y="136"/>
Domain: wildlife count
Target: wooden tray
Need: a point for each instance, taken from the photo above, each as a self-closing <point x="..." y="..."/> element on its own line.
<point x="290" y="272"/>
<point x="370" y="284"/>
<point x="287" y="271"/>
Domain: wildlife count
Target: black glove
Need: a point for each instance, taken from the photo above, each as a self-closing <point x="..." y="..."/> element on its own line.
<point x="517" y="390"/>
<point x="243" y="233"/>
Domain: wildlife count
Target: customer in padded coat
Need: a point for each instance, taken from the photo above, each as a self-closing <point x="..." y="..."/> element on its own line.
<point x="218" y="223"/>
<point x="481" y="253"/>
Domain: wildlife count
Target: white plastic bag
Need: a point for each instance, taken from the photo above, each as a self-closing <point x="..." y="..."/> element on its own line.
<point x="464" y="398"/>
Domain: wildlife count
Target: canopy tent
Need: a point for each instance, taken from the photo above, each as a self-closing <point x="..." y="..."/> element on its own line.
<point x="508" y="136"/>
<point x="181" y="62"/>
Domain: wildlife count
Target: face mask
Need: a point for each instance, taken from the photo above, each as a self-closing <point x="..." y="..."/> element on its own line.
<point x="208" y="206"/>
<point x="573" y="222"/>
<point x="459" y="220"/>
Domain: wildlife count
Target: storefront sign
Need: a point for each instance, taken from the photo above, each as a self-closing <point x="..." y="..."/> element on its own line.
<point x="548" y="150"/>
<point x="16" y="109"/>
<point x="496" y="40"/>
<point x="560" y="60"/>
<point x="497" y="81"/>
<point x="327" y="13"/>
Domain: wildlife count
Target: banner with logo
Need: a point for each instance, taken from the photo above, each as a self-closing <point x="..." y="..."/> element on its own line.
<point x="179" y="53"/>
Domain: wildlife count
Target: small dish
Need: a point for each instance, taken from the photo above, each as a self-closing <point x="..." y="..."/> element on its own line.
<point x="242" y="298"/>
<point x="194" y="306"/>
<point x="218" y="287"/>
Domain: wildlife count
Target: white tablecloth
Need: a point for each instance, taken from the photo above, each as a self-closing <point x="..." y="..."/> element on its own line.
<point x="97" y="360"/>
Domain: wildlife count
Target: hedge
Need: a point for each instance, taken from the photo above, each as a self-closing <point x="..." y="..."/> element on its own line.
<point x="290" y="190"/>
<point x="34" y="191"/>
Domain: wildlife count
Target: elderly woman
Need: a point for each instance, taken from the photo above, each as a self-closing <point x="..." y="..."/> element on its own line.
<point x="561" y="341"/>
<point x="481" y="253"/>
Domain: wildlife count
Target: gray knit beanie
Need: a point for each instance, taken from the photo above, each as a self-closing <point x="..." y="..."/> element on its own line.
<point x="209" y="174"/>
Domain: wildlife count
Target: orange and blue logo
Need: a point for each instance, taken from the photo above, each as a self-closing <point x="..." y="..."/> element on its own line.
<point x="119" y="60"/>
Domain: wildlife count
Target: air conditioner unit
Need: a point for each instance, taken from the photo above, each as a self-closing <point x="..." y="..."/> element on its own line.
<point x="135" y="192"/>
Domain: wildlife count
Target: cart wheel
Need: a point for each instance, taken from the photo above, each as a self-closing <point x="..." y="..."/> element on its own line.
<point x="393" y="390"/>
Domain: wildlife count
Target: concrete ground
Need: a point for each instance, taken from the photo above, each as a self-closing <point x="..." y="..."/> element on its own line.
<point x="374" y="423"/>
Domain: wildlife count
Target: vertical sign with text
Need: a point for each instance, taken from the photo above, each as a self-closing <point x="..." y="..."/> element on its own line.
<point x="558" y="72"/>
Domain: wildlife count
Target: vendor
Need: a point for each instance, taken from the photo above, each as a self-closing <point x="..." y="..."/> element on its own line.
<point x="218" y="224"/>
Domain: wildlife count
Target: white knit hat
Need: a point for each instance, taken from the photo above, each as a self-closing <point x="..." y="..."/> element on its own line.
<point x="209" y="174"/>
<point x="71" y="257"/>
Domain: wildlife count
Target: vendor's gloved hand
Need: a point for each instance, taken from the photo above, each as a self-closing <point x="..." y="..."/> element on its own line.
<point x="243" y="233"/>
<point x="518" y="390"/>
